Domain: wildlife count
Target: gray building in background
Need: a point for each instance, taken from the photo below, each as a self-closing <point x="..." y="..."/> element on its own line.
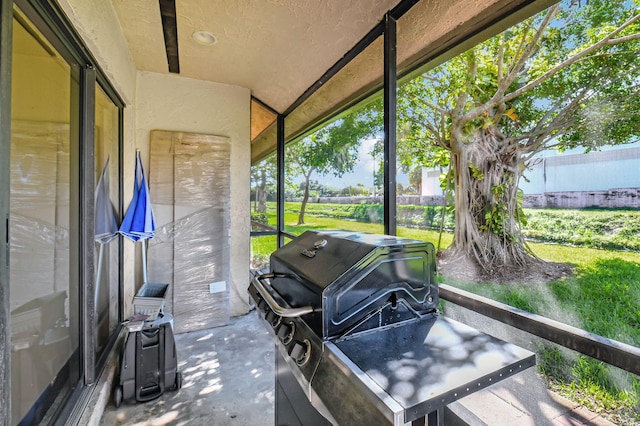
<point x="606" y="178"/>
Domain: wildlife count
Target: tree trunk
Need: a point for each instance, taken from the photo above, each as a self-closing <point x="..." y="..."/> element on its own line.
<point x="487" y="207"/>
<point x="261" y="193"/>
<point x="305" y="198"/>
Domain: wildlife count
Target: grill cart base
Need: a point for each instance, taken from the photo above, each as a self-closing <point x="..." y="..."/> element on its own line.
<point x="292" y="406"/>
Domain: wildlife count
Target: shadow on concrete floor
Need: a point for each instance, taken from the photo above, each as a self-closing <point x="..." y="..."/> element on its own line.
<point x="228" y="379"/>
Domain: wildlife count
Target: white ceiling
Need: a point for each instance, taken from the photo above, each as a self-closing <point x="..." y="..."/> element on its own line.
<point x="276" y="48"/>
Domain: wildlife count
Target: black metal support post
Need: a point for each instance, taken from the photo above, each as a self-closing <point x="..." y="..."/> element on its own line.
<point x="280" y="174"/>
<point x="390" y="85"/>
<point x="87" y="220"/>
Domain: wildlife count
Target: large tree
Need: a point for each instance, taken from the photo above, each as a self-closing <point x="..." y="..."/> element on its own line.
<point x="263" y="178"/>
<point x="566" y="77"/>
<point x="331" y="150"/>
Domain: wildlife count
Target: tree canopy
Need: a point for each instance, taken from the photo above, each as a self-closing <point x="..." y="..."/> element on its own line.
<point x="333" y="149"/>
<point x="564" y="78"/>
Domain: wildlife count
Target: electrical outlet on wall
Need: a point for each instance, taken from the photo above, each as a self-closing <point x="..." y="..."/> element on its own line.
<point x="217" y="287"/>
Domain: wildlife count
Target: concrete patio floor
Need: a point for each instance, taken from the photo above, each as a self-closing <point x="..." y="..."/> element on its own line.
<point x="228" y="380"/>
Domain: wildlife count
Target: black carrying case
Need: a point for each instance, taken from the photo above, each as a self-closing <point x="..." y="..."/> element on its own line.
<point x="148" y="363"/>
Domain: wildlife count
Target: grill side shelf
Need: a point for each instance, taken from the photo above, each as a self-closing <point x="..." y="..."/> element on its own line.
<point x="426" y="364"/>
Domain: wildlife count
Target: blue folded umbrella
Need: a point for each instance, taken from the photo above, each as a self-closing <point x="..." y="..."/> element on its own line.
<point x="139" y="222"/>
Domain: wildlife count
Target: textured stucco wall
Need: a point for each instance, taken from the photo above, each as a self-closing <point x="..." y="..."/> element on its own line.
<point x="168" y="102"/>
<point x="97" y="23"/>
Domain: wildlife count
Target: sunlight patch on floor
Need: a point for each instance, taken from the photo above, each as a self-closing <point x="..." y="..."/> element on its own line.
<point x="164" y="419"/>
<point x="205" y="337"/>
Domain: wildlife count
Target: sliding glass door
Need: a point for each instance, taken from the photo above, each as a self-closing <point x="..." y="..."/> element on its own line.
<point x="44" y="205"/>
<point x="64" y="193"/>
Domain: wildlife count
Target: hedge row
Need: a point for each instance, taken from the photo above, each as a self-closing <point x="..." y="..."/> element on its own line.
<point x="605" y="229"/>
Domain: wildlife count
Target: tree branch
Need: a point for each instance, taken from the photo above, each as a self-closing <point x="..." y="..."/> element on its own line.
<point x="461" y="101"/>
<point x="500" y="58"/>
<point x="431" y="106"/>
<point x="503" y="84"/>
<point x="624" y="39"/>
<point x="606" y="41"/>
<point x="429" y="127"/>
<point x="530" y="49"/>
<point x="443" y="141"/>
<point x="558" y="123"/>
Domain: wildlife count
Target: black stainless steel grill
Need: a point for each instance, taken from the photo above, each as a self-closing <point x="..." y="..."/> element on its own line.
<point x="354" y="319"/>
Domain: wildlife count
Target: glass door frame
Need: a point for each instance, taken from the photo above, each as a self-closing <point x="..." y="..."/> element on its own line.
<point x="6" y="40"/>
<point x="47" y="16"/>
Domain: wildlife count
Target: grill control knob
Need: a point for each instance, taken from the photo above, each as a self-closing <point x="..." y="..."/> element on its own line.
<point x="275" y="321"/>
<point x="262" y="305"/>
<point x="282" y="331"/>
<point x="285" y="332"/>
<point x="300" y="352"/>
<point x="270" y="316"/>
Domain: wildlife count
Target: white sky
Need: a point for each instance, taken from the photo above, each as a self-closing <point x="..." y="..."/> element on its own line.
<point x="362" y="172"/>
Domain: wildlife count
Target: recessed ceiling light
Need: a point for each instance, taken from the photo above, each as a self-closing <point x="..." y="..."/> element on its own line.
<point x="204" y="37"/>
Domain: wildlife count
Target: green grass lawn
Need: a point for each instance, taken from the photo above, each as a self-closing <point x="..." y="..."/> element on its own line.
<point x="602" y="297"/>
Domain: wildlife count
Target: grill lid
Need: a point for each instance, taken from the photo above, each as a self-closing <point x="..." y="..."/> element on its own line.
<point x="350" y="277"/>
<point x="321" y="257"/>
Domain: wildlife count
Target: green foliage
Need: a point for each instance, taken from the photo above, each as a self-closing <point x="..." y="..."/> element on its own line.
<point x="415" y="178"/>
<point x="350" y="191"/>
<point x="260" y="217"/>
<point x="426" y="217"/>
<point x="333" y="149"/>
<point x="606" y="229"/>
<point x="316" y="189"/>
<point x="590" y="371"/>
<point x="261" y="249"/>
<point x="513" y="297"/>
<point x="620" y="407"/>
<point x="599" y="282"/>
<point x="367" y="213"/>
<point x="553" y="364"/>
<point x="429" y="216"/>
<point x="263" y="182"/>
<point x="602" y="229"/>
<point x="496" y="213"/>
<point x="476" y="173"/>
